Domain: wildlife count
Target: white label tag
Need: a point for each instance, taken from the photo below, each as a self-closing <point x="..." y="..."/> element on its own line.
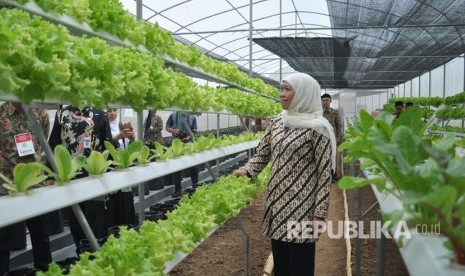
<point x="128" y="112"/>
<point x="87" y="142"/>
<point x="24" y="144"/>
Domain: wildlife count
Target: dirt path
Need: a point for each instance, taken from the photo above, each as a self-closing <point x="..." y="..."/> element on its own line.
<point x="223" y="252"/>
<point x="331" y="253"/>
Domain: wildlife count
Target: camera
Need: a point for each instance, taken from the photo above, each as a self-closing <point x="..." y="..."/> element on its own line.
<point x="127" y="125"/>
<point x="181" y="135"/>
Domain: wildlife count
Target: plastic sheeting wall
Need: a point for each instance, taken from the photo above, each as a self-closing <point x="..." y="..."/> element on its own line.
<point x="424" y="85"/>
<point x="347" y="101"/>
<point x="454" y="81"/>
<point x="455" y="77"/>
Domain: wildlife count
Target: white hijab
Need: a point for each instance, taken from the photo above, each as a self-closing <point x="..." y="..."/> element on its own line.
<point x="114" y="127"/>
<point x="306" y="111"/>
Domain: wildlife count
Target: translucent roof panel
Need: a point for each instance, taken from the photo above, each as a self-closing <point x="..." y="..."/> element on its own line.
<point x="221" y="27"/>
<point x="391" y="41"/>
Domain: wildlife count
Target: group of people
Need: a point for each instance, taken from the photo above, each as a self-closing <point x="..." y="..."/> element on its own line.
<point x="399" y="106"/>
<point x="80" y="130"/>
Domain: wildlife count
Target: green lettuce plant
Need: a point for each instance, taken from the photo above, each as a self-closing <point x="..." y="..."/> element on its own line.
<point x="146" y="252"/>
<point x="177" y="147"/>
<point x="25" y="175"/>
<point x="144" y="156"/>
<point x="67" y="167"/>
<point x="96" y="164"/>
<point x="124" y="158"/>
<point x="428" y="178"/>
<point x="162" y="152"/>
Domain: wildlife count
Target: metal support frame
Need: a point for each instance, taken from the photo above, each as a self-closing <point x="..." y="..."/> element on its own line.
<point x="217" y="132"/>
<point x="380" y="252"/>
<point x="280" y="35"/>
<point x="50" y="157"/>
<point x="250" y="37"/>
<point x="444" y="89"/>
<point x="244" y="125"/>
<point x="141" y="186"/>
<point x="140" y="134"/>
<point x="245" y="235"/>
<point x="380" y="243"/>
<point x="419" y="86"/>
<point x="358" y="242"/>
<point x="191" y="134"/>
<point x="429" y="84"/>
<point x="444" y="82"/>
<point x="411" y="88"/>
<point x="259" y="30"/>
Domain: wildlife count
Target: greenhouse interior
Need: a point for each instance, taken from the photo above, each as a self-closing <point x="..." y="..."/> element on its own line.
<point x="260" y="137"/>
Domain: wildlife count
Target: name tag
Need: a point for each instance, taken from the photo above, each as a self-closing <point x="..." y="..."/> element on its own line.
<point x="24" y="144"/>
<point x="87" y="142"/>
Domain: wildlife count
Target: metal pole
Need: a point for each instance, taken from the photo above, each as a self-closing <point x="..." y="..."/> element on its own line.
<point x="325" y="28"/>
<point x="444" y="87"/>
<point x="444" y="82"/>
<point x="245" y="235"/>
<point x="429" y="84"/>
<point x="140" y="134"/>
<point x="250" y="36"/>
<point x="217" y="125"/>
<point x="217" y="135"/>
<point x="380" y="252"/>
<point x="411" y="88"/>
<point x="419" y="86"/>
<point x="138" y="9"/>
<point x="295" y="24"/>
<point x="40" y="136"/>
<point x="280" y="35"/>
<point x="243" y="124"/>
<point x="141" y="186"/>
<point x="50" y="157"/>
<point x="358" y="241"/>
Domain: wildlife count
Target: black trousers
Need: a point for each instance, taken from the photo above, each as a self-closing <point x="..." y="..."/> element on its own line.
<point x="94" y="211"/>
<point x="119" y="209"/>
<point x="177" y="178"/>
<point x="293" y="259"/>
<point x="40" y="244"/>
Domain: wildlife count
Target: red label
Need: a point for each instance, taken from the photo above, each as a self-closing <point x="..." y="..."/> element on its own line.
<point x="23" y="137"/>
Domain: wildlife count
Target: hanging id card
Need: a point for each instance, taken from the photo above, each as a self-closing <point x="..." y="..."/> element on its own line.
<point x="87" y="142"/>
<point x="24" y="144"/>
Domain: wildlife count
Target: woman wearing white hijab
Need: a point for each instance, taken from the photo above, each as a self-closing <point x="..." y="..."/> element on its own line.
<point x="301" y="146"/>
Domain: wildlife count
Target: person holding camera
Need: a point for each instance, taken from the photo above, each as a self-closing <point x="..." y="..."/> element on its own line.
<point x="176" y="127"/>
<point x="120" y="204"/>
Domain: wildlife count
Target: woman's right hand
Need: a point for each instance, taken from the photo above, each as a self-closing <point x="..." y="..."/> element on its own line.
<point x="240" y="173"/>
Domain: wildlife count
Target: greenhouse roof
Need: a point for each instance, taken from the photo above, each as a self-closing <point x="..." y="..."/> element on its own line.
<point x="342" y="43"/>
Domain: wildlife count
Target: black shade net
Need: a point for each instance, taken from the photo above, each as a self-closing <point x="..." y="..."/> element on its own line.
<point x="377" y="43"/>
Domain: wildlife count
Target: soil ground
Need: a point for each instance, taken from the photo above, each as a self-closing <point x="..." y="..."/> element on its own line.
<point x="223" y="252"/>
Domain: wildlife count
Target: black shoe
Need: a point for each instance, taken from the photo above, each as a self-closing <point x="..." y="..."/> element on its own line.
<point x="177" y="194"/>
